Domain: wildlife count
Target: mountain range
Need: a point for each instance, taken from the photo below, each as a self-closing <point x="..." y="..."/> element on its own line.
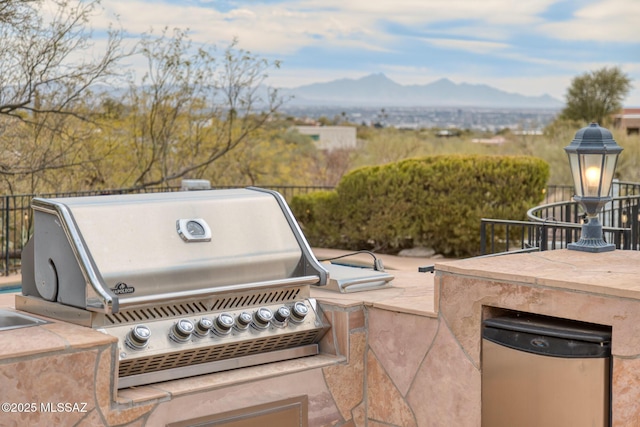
<point x="377" y="90"/>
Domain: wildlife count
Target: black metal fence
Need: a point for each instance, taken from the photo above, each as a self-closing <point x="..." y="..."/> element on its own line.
<point x="16" y="220"/>
<point x="552" y="225"/>
<point x="502" y="236"/>
<point x="555" y="225"/>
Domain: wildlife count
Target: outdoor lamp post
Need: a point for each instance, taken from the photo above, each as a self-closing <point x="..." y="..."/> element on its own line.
<point x="593" y="155"/>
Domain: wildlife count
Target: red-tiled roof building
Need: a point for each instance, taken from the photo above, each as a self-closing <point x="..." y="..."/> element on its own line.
<point x="629" y="120"/>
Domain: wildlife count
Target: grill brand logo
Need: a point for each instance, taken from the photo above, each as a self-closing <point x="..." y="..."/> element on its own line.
<point x="123" y="289"/>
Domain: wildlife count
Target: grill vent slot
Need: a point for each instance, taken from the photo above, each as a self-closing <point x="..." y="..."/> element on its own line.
<point x="215" y="353"/>
<point x="247" y="300"/>
<point x="155" y="312"/>
<point x="198" y="307"/>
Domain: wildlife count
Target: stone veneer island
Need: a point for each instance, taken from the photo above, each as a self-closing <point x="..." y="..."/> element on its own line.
<point x="405" y="356"/>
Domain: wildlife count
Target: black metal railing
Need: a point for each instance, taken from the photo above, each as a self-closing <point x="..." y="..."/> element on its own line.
<point x="16" y="222"/>
<point x="502" y="236"/>
<point x="555" y="225"/>
<point x="552" y="225"/>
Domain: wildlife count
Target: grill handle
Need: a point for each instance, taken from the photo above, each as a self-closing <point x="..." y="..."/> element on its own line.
<point x="126" y="302"/>
<point x="309" y="264"/>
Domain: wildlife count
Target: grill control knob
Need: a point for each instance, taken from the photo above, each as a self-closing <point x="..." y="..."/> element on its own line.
<point x="299" y="312"/>
<point x="243" y="320"/>
<point x="203" y="326"/>
<point x="182" y="330"/>
<point x="262" y="317"/>
<point x="138" y="338"/>
<point x="281" y="315"/>
<point x="223" y="324"/>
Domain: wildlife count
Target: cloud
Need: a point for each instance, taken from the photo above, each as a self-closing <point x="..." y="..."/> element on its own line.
<point x="476" y="41"/>
<point x="288" y="26"/>
<point x="603" y="21"/>
<point x="422" y="12"/>
<point x="475" y="46"/>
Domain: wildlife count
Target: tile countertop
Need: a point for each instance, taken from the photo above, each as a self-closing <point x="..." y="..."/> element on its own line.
<point x="613" y="273"/>
<point x="51" y="337"/>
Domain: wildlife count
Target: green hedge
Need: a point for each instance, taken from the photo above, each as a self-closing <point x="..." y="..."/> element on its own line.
<point x="435" y="201"/>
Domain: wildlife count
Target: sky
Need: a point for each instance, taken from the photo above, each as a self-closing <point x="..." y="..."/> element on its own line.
<point x="530" y="47"/>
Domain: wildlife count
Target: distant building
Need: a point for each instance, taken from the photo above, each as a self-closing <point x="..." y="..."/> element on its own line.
<point x="628" y="120"/>
<point x="528" y="132"/>
<point x="446" y="133"/>
<point x="330" y="137"/>
<point x="496" y="140"/>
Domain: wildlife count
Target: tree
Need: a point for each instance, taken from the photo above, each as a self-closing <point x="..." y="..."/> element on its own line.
<point x="48" y="63"/>
<point x="274" y="155"/>
<point x="595" y="95"/>
<point x="192" y="109"/>
<point x="60" y="130"/>
<point x="46" y="56"/>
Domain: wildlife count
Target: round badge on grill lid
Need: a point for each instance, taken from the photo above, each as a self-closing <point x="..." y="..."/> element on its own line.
<point x="193" y="230"/>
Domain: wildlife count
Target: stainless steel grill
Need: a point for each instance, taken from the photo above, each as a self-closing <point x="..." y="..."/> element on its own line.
<point x="189" y="282"/>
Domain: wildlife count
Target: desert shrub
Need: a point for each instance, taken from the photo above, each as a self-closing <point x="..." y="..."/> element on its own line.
<point x="318" y="216"/>
<point x="434" y="201"/>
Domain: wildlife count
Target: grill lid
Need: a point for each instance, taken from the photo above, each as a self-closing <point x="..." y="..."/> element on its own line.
<point x="106" y="252"/>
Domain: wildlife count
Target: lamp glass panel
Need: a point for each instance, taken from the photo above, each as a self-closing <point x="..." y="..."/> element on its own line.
<point x="591" y="174"/>
<point x="575" y="173"/>
<point x="610" y="161"/>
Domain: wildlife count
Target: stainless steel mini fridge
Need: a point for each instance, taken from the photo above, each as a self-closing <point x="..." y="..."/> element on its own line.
<point x="540" y="371"/>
